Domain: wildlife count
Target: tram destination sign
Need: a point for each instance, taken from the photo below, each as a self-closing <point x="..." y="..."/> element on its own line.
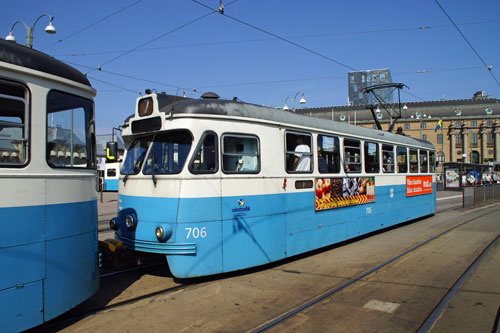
<point x="342" y="192"/>
<point x="417" y="185"/>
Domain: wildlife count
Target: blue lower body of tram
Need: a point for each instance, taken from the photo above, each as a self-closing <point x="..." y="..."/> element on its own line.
<point x="51" y="266"/>
<point x="222" y="234"/>
<point x="111" y="184"/>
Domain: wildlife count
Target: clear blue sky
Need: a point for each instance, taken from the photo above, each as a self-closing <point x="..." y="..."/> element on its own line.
<point x="222" y="55"/>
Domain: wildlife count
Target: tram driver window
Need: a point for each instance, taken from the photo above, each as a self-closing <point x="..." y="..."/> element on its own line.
<point x="413" y="161"/>
<point x="423" y="160"/>
<point x="13" y="124"/>
<point x="352" y="155"/>
<point x="402" y="158"/>
<point x="387" y="159"/>
<point x="205" y="157"/>
<point x="240" y="154"/>
<point x="328" y="154"/>
<point x="70" y="131"/>
<point x="372" y="163"/>
<point x="298" y="152"/>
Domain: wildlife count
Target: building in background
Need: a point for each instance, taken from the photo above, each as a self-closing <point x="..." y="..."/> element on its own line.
<point x="357" y="81"/>
<point x="469" y="130"/>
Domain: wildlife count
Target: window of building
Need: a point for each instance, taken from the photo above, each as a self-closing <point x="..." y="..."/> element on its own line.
<point x="474" y="138"/>
<point x="388" y="159"/>
<point x="459" y="140"/>
<point x="70" y="131"/>
<point x="372" y="161"/>
<point x="14" y="124"/>
<point x="352" y="155"/>
<point x="440" y="157"/>
<point x="407" y="126"/>
<point x="328" y="154"/>
<point x="168" y="153"/>
<point x="402" y="158"/>
<point x="424" y="137"/>
<point x="423" y="125"/>
<point x="490" y="122"/>
<point x="205" y="158"/>
<point x="240" y="153"/>
<point x="474" y="123"/>
<point x="489" y="139"/>
<point x="413" y="161"/>
<point x="422" y="154"/>
<point x="298" y="152"/>
<point x="458" y="124"/>
<point x="440" y="138"/>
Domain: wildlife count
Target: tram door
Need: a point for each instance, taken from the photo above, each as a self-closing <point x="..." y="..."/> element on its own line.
<point x="253" y="226"/>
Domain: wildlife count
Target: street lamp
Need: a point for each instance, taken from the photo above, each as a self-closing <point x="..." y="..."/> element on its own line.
<point x="285" y="106"/>
<point x="301" y="101"/>
<point x="50" y="29"/>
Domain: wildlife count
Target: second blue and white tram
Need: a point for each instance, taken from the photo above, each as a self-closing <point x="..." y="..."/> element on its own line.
<point x="48" y="198"/>
<point x="219" y="185"/>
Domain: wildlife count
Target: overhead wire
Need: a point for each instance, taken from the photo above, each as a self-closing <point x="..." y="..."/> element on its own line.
<point x="489" y="68"/>
<point x="156" y="38"/>
<point x="132" y="77"/>
<point x="277" y="36"/>
<point x="274" y="38"/>
<point x="93" y="24"/>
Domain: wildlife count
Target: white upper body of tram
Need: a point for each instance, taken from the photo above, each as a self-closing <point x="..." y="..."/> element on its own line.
<point x="219" y="185"/>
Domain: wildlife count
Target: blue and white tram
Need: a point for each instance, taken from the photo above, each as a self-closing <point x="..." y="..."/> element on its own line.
<point x="219" y="186"/>
<point x="48" y="198"/>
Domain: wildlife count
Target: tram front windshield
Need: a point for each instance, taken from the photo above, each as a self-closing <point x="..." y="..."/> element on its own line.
<point x="135" y="156"/>
<point x="167" y="154"/>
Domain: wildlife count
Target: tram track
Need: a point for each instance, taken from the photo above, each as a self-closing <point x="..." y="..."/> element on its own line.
<point x="336" y="290"/>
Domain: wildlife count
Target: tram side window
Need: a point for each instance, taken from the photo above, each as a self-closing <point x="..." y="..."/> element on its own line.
<point x="168" y="153"/>
<point x="423" y="160"/>
<point x="352" y="155"/>
<point x="432" y="162"/>
<point x="136" y="154"/>
<point x="328" y="154"/>
<point x="298" y="152"/>
<point x="402" y="158"/>
<point x="14" y="125"/>
<point x="205" y="158"/>
<point x="240" y="154"/>
<point x="111" y="173"/>
<point x="413" y="161"/>
<point x="387" y="159"/>
<point x="70" y="131"/>
<point x="372" y="163"/>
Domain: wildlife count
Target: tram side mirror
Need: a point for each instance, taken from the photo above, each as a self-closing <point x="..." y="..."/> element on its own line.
<point x="111" y="151"/>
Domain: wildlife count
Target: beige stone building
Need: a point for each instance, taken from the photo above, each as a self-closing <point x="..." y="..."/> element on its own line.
<point x="469" y="132"/>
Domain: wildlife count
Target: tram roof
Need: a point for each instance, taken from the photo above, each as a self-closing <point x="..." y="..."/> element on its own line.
<point x="170" y="104"/>
<point x="23" y="56"/>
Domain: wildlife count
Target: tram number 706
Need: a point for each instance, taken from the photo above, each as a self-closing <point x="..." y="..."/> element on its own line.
<point x="196" y="232"/>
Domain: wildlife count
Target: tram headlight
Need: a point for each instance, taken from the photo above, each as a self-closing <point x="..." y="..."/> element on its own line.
<point x="113" y="223"/>
<point x="163" y="232"/>
<point x="131" y="221"/>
